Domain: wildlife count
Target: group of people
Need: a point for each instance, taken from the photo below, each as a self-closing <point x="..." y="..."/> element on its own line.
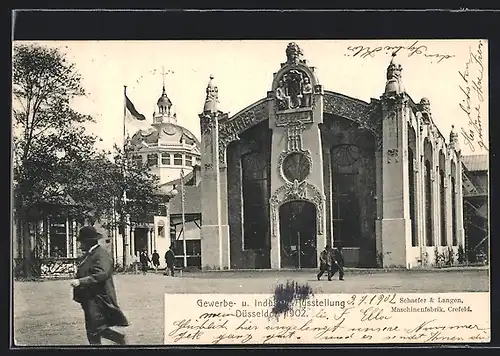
<point x="94" y="290"/>
<point x="155" y="259"/>
<point x="331" y="261"/>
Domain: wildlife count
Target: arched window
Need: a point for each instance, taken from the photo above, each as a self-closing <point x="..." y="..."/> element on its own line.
<point x="152" y="159"/>
<point x="189" y="160"/>
<point x="255" y="200"/>
<point x="428" y="205"/>
<point x="411" y="179"/>
<point x="165" y="159"/>
<point x="442" y="209"/>
<point x="178" y="159"/>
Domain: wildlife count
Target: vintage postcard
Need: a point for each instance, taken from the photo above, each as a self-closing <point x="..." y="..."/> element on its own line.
<point x="250" y="192"/>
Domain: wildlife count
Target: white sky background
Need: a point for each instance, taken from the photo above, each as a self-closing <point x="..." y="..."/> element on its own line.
<point x="243" y="72"/>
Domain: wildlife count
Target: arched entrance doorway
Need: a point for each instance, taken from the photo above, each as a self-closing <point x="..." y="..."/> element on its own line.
<point x="298" y="234"/>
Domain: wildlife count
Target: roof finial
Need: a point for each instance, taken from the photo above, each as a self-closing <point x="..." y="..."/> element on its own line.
<point x="163" y="75"/>
<point x="394" y="83"/>
<point x="212" y="98"/>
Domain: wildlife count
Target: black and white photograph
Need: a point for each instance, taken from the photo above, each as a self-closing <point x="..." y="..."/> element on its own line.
<point x="245" y="191"/>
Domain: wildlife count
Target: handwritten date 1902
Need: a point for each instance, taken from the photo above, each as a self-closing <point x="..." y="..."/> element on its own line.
<point x="376" y="299"/>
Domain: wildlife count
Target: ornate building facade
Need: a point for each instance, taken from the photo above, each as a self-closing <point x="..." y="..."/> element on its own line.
<point x="166" y="148"/>
<point x="305" y="166"/>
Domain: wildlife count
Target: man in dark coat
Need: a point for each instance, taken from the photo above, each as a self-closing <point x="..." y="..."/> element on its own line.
<point x="156" y="260"/>
<point x="144" y="259"/>
<point x="170" y="260"/>
<point x="338" y="265"/>
<point x="94" y="289"/>
<point x="325" y="262"/>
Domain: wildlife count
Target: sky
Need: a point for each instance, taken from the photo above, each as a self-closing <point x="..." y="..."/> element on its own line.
<point x="448" y="72"/>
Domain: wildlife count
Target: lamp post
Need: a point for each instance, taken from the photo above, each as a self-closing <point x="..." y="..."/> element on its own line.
<point x="183" y="220"/>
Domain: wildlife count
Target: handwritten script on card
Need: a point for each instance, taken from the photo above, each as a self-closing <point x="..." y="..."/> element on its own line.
<point x="245" y="319"/>
<point x="416" y="49"/>
<point x="471" y="85"/>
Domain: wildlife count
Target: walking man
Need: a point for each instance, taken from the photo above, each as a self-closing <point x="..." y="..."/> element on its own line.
<point x="144" y="259"/>
<point x="156" y="260"/>
<point x="326" y="259"/>
<point x="170" y="260"/>
<point x="338" y="264"/>
<point x="94" y="289"/>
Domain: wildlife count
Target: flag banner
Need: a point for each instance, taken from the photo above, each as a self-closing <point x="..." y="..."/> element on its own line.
<point x="131" y="109"/>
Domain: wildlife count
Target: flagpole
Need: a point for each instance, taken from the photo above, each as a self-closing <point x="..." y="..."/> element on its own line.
<point x="183" y="219"/>
<point x="126" y="227"/>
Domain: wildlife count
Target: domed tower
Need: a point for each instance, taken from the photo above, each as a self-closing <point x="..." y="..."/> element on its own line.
<point x="166" y="147"/>
<point x="165" y="112"/>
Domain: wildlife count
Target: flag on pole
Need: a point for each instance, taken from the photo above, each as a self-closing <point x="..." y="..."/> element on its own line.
<point x="132" y="111"/>
<point x="131" y="119"/>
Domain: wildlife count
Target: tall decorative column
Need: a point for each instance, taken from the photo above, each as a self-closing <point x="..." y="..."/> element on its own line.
<point x="436" y="203"/>
<point x="327" y="177"/>
<point x="224" y="218"/>
<point x="448" y="192"/>
<point x="459" y="214"/>
<point x="74" y="230"/>
<point x="67" y="230"/>
<point x="379" y="205"/>
<point x="460" y="202"/>
<point x="150" y="241"/>
<point x="396" y="224"/>
<point x="214" y="229"/>
<point x="132" y="241"/>
<point x="416" y="127"/>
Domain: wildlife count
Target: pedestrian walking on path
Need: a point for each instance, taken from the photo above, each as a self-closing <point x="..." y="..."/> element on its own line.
<point x="94" y="289"/>
<point x="326" y="260"/>
<point x="156" y="260"/>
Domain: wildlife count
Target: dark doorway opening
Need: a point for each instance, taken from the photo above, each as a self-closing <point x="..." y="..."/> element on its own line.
<point x="141" y="240"/>
<point x="298" y="234"/>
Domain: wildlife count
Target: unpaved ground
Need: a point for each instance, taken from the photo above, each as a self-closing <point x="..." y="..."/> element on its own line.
<point x="44" y="313"/>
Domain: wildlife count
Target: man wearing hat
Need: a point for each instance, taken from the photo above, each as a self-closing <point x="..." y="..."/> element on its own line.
<point x="94" y="289"/>
<point x="326" y="260"/>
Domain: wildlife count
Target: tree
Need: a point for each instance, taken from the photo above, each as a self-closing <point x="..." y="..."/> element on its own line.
<point x="55" y="158"/>
<point x="48" y="136"/>
<point x="135" y="191"/>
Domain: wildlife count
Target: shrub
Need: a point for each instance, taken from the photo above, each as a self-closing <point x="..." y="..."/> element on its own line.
<point x="380" y="259"/>
<point x="462" y="256"/>
<point x="450" y="257"/>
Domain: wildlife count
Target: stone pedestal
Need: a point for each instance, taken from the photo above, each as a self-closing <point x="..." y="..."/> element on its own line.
<point x="396" y="242"/>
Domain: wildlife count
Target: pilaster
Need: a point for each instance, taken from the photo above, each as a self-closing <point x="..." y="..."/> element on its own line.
<point x="396" y="224"/>
<point x="224" y="218"/>
<point x="132" y="241"/>
<point x="436" y="221"/>
<point x="379" y="191"/>
<point x="460" y="202"/>
<point x="419" y="170"/>
<point x="211" y="231"/>
<point x="448" y="194"/>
